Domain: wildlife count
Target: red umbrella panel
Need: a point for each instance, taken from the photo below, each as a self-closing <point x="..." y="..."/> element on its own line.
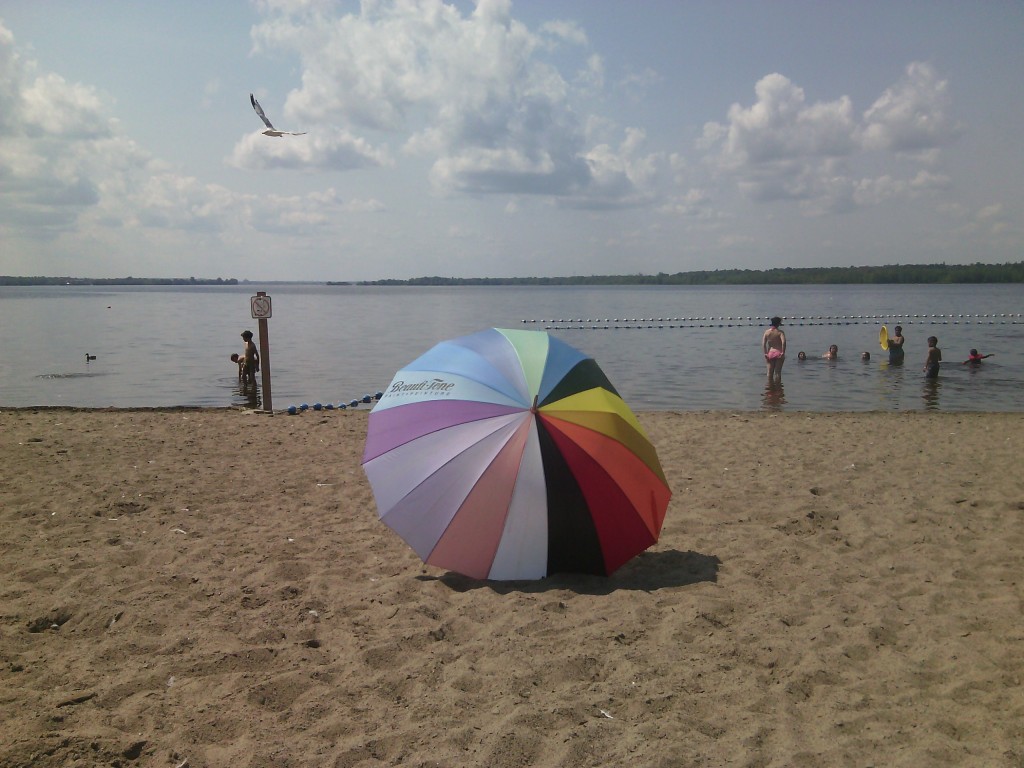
<point x="508" y="454"/>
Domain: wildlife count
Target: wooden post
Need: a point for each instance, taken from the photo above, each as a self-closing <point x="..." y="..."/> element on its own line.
<point x="261" y="311"/>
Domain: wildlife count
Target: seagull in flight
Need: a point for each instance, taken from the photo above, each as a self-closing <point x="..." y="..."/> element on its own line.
<point x="271" y="130"/>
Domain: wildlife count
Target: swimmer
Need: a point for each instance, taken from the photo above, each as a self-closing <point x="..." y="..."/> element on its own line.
<point x="773" y="344"/>
<point x="801" y="355"/>
<point x="865" y="356"/>
<point x="975" y="358"/>
<point x="832" y="354"/>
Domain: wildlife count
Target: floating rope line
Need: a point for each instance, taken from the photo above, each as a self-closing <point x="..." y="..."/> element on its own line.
<point x="294" y="409"/>
<point x="1002" y="318"/>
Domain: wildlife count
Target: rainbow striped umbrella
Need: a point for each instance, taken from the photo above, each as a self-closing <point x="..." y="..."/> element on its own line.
<point x="508" y="454"/>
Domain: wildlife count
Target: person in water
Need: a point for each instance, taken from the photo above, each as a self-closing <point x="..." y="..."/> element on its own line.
<point x="975" y="358"/>
<point x="865" y="356"/>
<point x="896" y="346"/>
<point x="773" y="344"/>
<point x="832" y="354"/>
<point x="240" y="362"/>
<point x="931" y="363"/>
<point x="801" y="355"/>
<point x="250" y="358"/>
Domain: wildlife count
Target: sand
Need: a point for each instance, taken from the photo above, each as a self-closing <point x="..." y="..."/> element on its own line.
<point x="213" y="588"/>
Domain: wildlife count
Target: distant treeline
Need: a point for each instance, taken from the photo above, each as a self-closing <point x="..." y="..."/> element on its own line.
<point x="893" y="273"/>
<point x="9" y="280"/>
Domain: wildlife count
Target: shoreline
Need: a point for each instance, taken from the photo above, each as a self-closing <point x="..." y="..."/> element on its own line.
<point x="766" y="412"/>
<point x="196" y="584"/>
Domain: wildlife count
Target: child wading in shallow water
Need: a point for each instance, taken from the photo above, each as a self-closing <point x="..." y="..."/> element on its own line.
<point x="250" y="360"/>
<point x="773" y="344"/>
<point x="975" y="357"/>
<point x="931" y="363"/>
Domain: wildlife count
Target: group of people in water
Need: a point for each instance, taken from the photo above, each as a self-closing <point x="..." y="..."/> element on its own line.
<point x="773" y="345"/>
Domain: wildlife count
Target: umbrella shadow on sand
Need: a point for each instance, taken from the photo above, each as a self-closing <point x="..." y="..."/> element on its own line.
<point x="648" y="572"/>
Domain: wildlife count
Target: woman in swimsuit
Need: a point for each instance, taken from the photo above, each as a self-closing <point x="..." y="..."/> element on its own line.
<point x="773" y="344"/>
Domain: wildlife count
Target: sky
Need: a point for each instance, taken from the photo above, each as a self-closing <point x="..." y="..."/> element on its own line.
<point x="507" y="139"/>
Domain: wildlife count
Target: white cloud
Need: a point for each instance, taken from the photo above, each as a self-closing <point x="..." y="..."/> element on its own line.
<point x="693" y="203"/>
<point x="782" y="126"/>
<point x="591" y="76"/>
<point x="318" y="150"/>
<point x="64" y="166"/>
<point x="622" y="175"/>
<point x="51" y="106"/>
<point x="569" y="31"/>
<point x="473" y="93"/>
<point x="912" y="115"/>
<point x="783" y="148"/>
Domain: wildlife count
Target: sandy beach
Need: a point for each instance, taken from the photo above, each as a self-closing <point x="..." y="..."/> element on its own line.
<point x="209" y="588"/>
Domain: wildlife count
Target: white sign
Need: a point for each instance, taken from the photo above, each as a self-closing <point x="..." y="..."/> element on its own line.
<point x="260" y="307"/>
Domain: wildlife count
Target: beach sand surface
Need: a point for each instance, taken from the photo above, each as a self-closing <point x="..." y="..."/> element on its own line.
<point x="190" y="587"/>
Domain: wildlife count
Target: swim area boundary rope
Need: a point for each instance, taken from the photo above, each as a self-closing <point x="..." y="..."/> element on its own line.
<point x="646" y="323"/>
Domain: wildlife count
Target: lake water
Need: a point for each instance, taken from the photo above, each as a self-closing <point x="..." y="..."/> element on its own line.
<point x="664" y="348"/>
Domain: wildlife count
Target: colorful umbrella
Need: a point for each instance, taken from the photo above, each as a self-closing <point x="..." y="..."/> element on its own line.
<point x="508" y="454"/>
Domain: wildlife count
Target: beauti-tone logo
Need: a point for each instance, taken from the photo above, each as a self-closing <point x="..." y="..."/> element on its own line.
<point x="434" y="387"/>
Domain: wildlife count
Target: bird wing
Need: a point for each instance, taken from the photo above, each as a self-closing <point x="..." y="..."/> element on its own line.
<point x="259" y="111"/>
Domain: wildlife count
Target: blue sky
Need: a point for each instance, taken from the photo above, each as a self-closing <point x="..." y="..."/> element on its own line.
<point x="499" y="138"/>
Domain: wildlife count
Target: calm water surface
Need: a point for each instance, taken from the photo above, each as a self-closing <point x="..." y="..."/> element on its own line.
<point x="158" y="346"/>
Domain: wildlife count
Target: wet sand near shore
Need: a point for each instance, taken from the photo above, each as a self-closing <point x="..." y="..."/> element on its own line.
<point x="211" y="587"/>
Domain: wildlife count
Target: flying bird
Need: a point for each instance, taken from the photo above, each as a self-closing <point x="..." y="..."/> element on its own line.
<point x="271" y="130"/>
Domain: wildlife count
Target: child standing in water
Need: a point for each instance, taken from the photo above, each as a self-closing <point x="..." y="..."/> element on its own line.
<point x="773" y="344"/>
<point x="250" y="359"/>
<point x="931" y="363"/>
<point x="896" y="346"/>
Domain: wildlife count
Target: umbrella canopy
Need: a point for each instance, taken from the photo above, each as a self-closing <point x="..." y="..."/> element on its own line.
<point x="508" y="454"/>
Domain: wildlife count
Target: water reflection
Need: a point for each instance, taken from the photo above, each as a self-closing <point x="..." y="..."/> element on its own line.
<point x="774" y="397"/>
<point x="930" y="394"/>
<point x="248" y="395"/>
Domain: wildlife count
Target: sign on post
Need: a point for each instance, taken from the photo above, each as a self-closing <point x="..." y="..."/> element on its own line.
<point x="260" y="304"/>
<point x="261" y="311"/>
